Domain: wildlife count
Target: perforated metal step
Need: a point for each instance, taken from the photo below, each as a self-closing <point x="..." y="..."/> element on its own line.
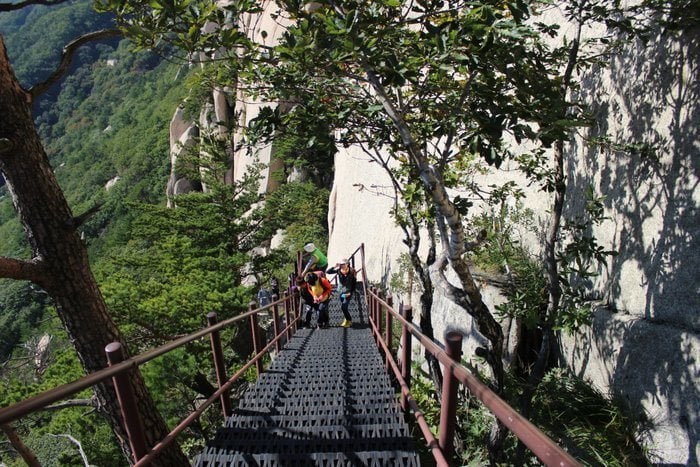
<point x="325" y="400"/>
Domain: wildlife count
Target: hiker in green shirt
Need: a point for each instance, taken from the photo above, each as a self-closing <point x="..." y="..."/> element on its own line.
<point x="317" y="261"/>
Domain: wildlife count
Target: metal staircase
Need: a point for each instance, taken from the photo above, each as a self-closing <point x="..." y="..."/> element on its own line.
<point x="326" y="400"/>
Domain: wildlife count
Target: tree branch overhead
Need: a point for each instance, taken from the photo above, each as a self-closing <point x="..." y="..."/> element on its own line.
<point x="67" y="58"/>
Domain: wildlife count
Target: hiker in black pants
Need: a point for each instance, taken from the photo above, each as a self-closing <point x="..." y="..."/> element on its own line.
<point x="347" y="281"/>
<point x="307" y="308"/>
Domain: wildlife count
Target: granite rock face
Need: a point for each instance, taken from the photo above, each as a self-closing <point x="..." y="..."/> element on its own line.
<point x="182" y="137"/>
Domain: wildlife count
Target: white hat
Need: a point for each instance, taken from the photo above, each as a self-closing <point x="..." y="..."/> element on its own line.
<point x="309" y="247"/>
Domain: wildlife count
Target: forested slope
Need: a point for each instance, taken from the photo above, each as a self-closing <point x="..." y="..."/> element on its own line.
<point x="105" y="129"/>
<point x="161" y="269"/>
<point x="107" y="118"/>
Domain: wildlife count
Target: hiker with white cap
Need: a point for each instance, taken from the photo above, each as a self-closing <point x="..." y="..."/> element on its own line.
<point x="317" y="261"/>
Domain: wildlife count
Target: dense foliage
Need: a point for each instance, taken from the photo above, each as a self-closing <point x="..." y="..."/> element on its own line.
<point x="36" y="34"/>
<point x="106" y="122"/>
<point x="46" y="433"/>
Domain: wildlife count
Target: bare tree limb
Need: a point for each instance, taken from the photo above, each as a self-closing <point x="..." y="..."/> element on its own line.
<point x="92" y="402"/>
<point x="67" y="57"/>
<point x="77" y="221"/>
<point x="11" y="268"/>
<point x="500" y="281"/>
<point x="77" y="443"/>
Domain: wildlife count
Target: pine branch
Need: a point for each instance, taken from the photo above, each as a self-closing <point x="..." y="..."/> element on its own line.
<point x="77" y="221"/>
<point x="67" y="58"/>
<point x="11" y="268"/>
<point x="92" y="402"/>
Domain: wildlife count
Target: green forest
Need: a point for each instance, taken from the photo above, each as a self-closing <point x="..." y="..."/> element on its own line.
<point x="160" y="270"/>
<point x="431" y="97"/>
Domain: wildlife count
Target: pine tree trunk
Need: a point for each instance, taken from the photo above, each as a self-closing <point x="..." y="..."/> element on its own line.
<point x="62" y="266"/>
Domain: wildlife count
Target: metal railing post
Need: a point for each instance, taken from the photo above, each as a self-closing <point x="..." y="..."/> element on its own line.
<point x="448" y="412"/>
<point x="219" y="365"/>
<point x="127" y="403"/>
<point x="296" y="304"/>
<point x="375" y="314"/>
<point x="388" y="331"/>
<point x="275" y="323"/>
<point x="287" y="302"/>
<point x="377" y="307"/>
<point x="407" y="313"/>
<point x="370" y="304"/>
<point x="378" y="312"/>
<point x="255" y="331"/>
<point x="362" y="257"/>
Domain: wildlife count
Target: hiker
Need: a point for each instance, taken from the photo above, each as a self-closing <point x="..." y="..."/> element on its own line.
<point x="317" y="261"/>
<point x="264" y="297"/>
<point x="347" y="280"/>
<point x="308" y="300"/>
<point x="275" y="287"/>
<point x="320" y="290"/>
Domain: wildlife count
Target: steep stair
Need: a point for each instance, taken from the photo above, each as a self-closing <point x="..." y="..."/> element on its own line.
<point x="326" y="400"/>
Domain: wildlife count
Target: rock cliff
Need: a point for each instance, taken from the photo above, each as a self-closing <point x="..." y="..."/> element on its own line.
<point x="643" y="343"/>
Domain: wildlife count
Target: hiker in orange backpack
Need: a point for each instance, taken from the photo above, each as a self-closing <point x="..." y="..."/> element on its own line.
<point x="320" y="290"/>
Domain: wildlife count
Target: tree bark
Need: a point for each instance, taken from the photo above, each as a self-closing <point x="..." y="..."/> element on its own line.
<point x="426" y="299"/>
<point x="61" y="258"/>
<point x="468" y="296"/>
<point x="412" y="239"/>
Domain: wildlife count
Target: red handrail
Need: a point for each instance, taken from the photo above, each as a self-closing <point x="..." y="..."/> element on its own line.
<point x="550" y="453"/>
<point x="542" y="446"/>
<point x="120" y="368"/>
